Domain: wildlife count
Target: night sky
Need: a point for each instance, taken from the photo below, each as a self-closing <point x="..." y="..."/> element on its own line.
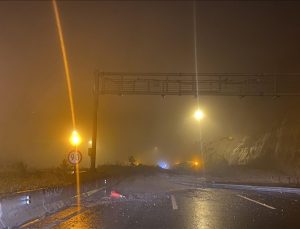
<point x="137" y="36"/>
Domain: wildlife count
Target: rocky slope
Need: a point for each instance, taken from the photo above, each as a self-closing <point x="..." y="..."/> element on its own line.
<point x="278" y="148"/>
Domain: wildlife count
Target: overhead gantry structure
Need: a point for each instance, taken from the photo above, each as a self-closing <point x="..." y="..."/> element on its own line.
<point x="205" y="84"/>
<point x="214" y="84"/>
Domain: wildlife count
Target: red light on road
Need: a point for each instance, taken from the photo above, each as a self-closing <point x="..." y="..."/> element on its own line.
<point x="115" y="194"/>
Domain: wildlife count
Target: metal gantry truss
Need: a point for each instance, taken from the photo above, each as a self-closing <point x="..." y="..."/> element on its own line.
<point x="213" y="84"/>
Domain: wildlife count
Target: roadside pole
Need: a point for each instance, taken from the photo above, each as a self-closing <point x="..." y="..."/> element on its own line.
<point x="95" y="122"/>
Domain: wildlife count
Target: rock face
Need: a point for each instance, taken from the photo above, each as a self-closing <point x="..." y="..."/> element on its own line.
<point x="278" y="148"/>
<point x="250" y="149"/>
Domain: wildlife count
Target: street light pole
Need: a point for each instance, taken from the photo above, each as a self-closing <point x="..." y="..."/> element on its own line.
<point x="95" y="122"/>
<point x="199" y="115"/>
<point x="201" y="149"/>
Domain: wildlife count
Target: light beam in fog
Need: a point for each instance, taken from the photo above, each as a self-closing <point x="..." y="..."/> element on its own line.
<point x="65" y="59"/>
<point x="75" y="137"/>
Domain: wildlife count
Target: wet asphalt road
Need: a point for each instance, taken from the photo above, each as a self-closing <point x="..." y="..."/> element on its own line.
<point x="189" y="208"/>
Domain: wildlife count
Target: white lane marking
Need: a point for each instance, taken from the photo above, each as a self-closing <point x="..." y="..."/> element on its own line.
<point x="89" y="193"/>
<point x="257" y="188"/>
<point x="174" y="204"/>
<point x="29" y="223"/>
<point x="254" y="201"/>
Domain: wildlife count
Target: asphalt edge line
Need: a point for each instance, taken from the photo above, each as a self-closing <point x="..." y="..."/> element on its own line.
<point x="30" y="223"/>
<point x="174" y="204"/>
<point x="257" y="202"/>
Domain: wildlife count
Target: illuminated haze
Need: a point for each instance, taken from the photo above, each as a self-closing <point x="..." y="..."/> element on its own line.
<point x="136" y="36"/>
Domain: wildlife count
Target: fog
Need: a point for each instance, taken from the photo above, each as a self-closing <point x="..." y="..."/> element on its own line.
<point x="136" y="36"/>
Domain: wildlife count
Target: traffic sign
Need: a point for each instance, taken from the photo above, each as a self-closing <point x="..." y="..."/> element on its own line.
<point x="75" y="157"/>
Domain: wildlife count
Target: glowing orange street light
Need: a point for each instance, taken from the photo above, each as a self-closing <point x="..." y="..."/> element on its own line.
<point x="75" y="138"/>
<point x="198" y="115"/>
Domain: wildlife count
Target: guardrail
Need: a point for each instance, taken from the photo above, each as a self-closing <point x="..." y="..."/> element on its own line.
<point x="19" y="208"/>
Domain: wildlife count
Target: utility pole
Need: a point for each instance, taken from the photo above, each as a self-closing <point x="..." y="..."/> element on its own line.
<point x="92" y="152"/>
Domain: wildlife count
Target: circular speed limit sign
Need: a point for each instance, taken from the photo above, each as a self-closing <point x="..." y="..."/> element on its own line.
<point x="75" y="157"/>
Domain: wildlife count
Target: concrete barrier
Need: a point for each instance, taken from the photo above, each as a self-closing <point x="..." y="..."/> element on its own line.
<point x="20" y="208"/>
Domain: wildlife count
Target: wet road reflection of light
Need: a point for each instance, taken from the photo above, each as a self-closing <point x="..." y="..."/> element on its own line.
<point x="84" y="220"/>
<point x="80" y="223"/>
<point x="200" y="208"/>
<point x="202" y="212"/>
<point x="78" y="186"/>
